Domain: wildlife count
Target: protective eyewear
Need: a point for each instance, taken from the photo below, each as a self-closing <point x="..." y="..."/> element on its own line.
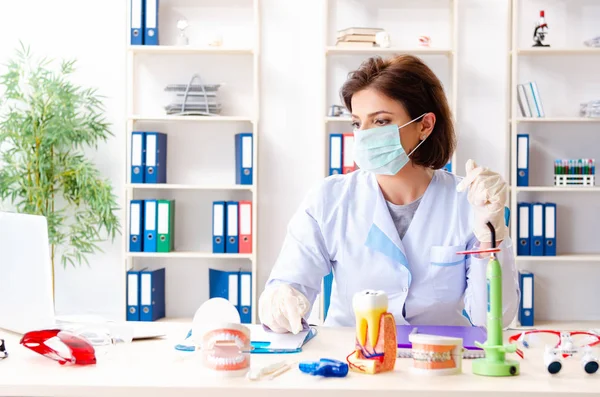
<point x="62" y="346"/>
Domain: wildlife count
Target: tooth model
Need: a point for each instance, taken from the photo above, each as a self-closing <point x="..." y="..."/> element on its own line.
<point x="375" y="334"/>
<point x="226" y="349"/>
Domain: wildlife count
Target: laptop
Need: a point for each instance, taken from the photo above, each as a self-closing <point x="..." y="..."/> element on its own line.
<point x="26" y="301"/>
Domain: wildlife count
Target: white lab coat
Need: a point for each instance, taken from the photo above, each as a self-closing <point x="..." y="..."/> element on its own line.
<point x="345" y="225"/>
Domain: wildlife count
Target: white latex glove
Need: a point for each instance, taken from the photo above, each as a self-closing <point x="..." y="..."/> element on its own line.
<point x="282" y="307"/>
<point x="488" y="193"/>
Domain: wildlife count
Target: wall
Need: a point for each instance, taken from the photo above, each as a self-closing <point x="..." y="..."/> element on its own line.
<point x="291" y="116"/>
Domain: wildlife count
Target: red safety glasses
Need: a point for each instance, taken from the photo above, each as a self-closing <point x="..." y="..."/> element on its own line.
<point x="61" y="346"/>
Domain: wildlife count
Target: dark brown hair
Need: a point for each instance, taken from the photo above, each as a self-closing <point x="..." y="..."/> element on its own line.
<point x="408" y="80"/>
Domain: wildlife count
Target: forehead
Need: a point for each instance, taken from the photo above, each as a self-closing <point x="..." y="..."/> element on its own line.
<point x="369" y="100"/>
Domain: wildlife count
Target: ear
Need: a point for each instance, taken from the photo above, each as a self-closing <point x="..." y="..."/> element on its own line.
<point x="427" y="124"/>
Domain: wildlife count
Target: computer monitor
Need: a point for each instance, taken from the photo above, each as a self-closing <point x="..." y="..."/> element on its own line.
<point x="26" y="301"/>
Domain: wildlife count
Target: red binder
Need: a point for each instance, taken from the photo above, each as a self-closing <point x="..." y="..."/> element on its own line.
<point x="347" y="157"/>
<point x="245" y="227"/>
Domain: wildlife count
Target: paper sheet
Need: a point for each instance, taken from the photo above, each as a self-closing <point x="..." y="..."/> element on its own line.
<point x="286" y="341"/>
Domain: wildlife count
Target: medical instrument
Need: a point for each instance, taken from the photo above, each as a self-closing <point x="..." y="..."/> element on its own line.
<point x="540" y="31"/>
<point x="338" y="111"/>
<point x="436" y="355"/>
<point x="590" y="109"/>
<point x="325" y="367"/>
<point x="272" y="370"/>
<point x="494" y="363"/>
<point x="182" y="39"/>
<point x="226" y="349"/>
<point x="3" y="352"/>
<point x="575" y="172"/>
<point x="376" y="342"/>
<point x="564" y="348"/>
<point x="62" y="346"/>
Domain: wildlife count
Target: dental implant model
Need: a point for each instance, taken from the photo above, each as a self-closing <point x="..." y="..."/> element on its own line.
<point x="376" y="344"/>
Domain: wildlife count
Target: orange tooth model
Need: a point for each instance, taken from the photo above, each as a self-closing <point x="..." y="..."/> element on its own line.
<point x="375" y="334"/>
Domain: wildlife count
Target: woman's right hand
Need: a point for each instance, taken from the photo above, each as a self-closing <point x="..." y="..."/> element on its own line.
<point x="281" y="308"/>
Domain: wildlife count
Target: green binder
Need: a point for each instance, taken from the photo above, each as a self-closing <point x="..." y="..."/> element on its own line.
<point x="165" y="226"/>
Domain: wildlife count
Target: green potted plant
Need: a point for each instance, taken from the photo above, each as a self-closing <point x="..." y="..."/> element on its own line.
<point x="46" y="125"/>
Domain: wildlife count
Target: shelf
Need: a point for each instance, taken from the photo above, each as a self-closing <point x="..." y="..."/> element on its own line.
<point x="556" y="189"/>
<point x="187" y="254"/>
<point x="209" y="119"/>
<point x="158" y="49"/>
<point x="390" y="50"/>
<point x="561" y="258"/>
<point x="558" y="51"/>
<point x="343" y="119"/>
<point x="172" y="186"/>
<point x="559" y="120"/>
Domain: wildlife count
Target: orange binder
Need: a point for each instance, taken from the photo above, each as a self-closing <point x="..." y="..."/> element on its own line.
<point x="245" y="227"/>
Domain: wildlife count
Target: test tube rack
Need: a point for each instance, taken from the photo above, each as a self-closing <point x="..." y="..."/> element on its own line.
<point x="574" y="180"/>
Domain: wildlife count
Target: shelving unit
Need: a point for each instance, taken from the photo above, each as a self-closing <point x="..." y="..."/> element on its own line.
<point x="559" y="133"/>
<point x="441" y="56"/>
<point x="144" y="114"/>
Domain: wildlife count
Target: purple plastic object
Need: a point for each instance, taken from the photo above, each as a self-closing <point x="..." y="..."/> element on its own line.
<point x="469" y="335"/>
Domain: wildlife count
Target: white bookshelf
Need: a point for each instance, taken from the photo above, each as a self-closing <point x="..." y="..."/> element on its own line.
<point x="560" y="72"/>
<point x="149" y="70"/>
<point x="397" y="19"/>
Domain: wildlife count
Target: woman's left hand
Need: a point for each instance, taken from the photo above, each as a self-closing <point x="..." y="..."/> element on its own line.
<point x="488" y="195"/>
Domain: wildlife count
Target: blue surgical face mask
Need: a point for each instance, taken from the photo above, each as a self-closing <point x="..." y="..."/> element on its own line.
<point x="379" y="149"/>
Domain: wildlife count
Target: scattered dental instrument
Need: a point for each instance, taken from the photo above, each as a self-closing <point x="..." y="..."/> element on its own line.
<point x="226" y="349"/>
<point x="436" y="355"/>
<point x="325" y="367"/>
<point x="494" y="363"/>
<point x="376" y="341"/>
<point x="540" y="31"/>
<point x="576" y="172"/>
<point x="269" y="372"/>
<point x="565" y="348"/>
<point x="3" y="352"/>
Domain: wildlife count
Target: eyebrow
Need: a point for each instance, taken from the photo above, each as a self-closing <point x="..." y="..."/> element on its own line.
<point x="375" y="113"/>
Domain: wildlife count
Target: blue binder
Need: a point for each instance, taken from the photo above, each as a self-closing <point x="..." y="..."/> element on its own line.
<point x="526" y="303"/>
<point x="136" y="224"/>
<point x="236" y="287"/>
<point x="133" y="295"/>
<point x="137" y="22"/>
<point x="138" y="156"/>
<point x="156" y="158"/>
<point x="336" y="154"/>
<point x="523" y="232"/>
<point x="536" y="229"/>
<point x="244" y="158"/>
<point x="550" y="229"/>
<point x="150" y="218"/>
<point x="232" y="241"/>
<point x="523" y="160"/>
<point x="219" y="225"/>
<point x="327" y="286"/>
<point x="151" y="22"/>
<point x="152" y="294"/>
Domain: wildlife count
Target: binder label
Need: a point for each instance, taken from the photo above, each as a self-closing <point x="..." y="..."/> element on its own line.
<point x="218" y="220"/>
<point x="537" y="220"/>
<point x="136" y="151"/>
<point x="151" y="150"/>
<point x="150" y="215"/>
<point x="232" y="221"/>
<point x="146" y="290"/>
<point x="136" y="14"/>
<point x="336" y="152"/>
<point x="527" y="292"/>
<point x="132" y="290"/>
<point x="524" y="223"/>
<point x="550" y="217"/>
<point x="348" y="151"/>
<point x="151" y="13"/>
<point x="245" y="290"/>
<point x="233" y="289"/>
<point x="522" y="152"/>
<point x="163" y="218"/>
<point x="135" y="219"/>
<point x="247" y="152"/>
<point x="245" y="216"/>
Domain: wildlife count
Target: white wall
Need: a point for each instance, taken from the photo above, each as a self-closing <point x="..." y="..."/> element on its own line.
<point x="291" y="121"/>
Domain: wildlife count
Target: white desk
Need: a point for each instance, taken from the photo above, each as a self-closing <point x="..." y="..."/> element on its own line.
<point x="155" y="368"/>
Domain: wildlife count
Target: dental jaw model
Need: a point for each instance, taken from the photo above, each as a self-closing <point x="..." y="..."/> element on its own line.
<point x="226" y="349"/>
<point x="376" y="344"/>
<point x="436" y="355"/>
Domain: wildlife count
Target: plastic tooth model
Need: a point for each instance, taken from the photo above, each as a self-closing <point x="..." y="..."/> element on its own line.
<point x="376" y="344"/>
<point x="436" y="355"/>
<point x="226" y="349"/>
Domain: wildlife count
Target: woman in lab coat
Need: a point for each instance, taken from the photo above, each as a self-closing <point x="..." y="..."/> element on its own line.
<point x="397" y="223"/>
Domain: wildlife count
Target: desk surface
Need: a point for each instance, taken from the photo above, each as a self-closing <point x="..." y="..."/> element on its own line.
<point x="154" y="368"/>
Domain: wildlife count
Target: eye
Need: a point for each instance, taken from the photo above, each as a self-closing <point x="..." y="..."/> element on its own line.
<point x="381" y="121"/>
<point x="355" y="125"/>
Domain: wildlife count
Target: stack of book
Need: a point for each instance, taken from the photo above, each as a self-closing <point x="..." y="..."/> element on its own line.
<point x="357" y="37"/>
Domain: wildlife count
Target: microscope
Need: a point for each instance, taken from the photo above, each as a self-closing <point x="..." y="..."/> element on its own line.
<point x="540" y="31"/>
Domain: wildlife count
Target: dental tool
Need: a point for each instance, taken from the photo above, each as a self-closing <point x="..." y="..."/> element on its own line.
<point x="270" y="370"/>
<point x="325" y="367"/>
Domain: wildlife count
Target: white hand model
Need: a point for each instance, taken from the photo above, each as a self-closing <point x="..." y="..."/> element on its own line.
<point x="488" y="196"/>
<point x="281" y="308"/>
